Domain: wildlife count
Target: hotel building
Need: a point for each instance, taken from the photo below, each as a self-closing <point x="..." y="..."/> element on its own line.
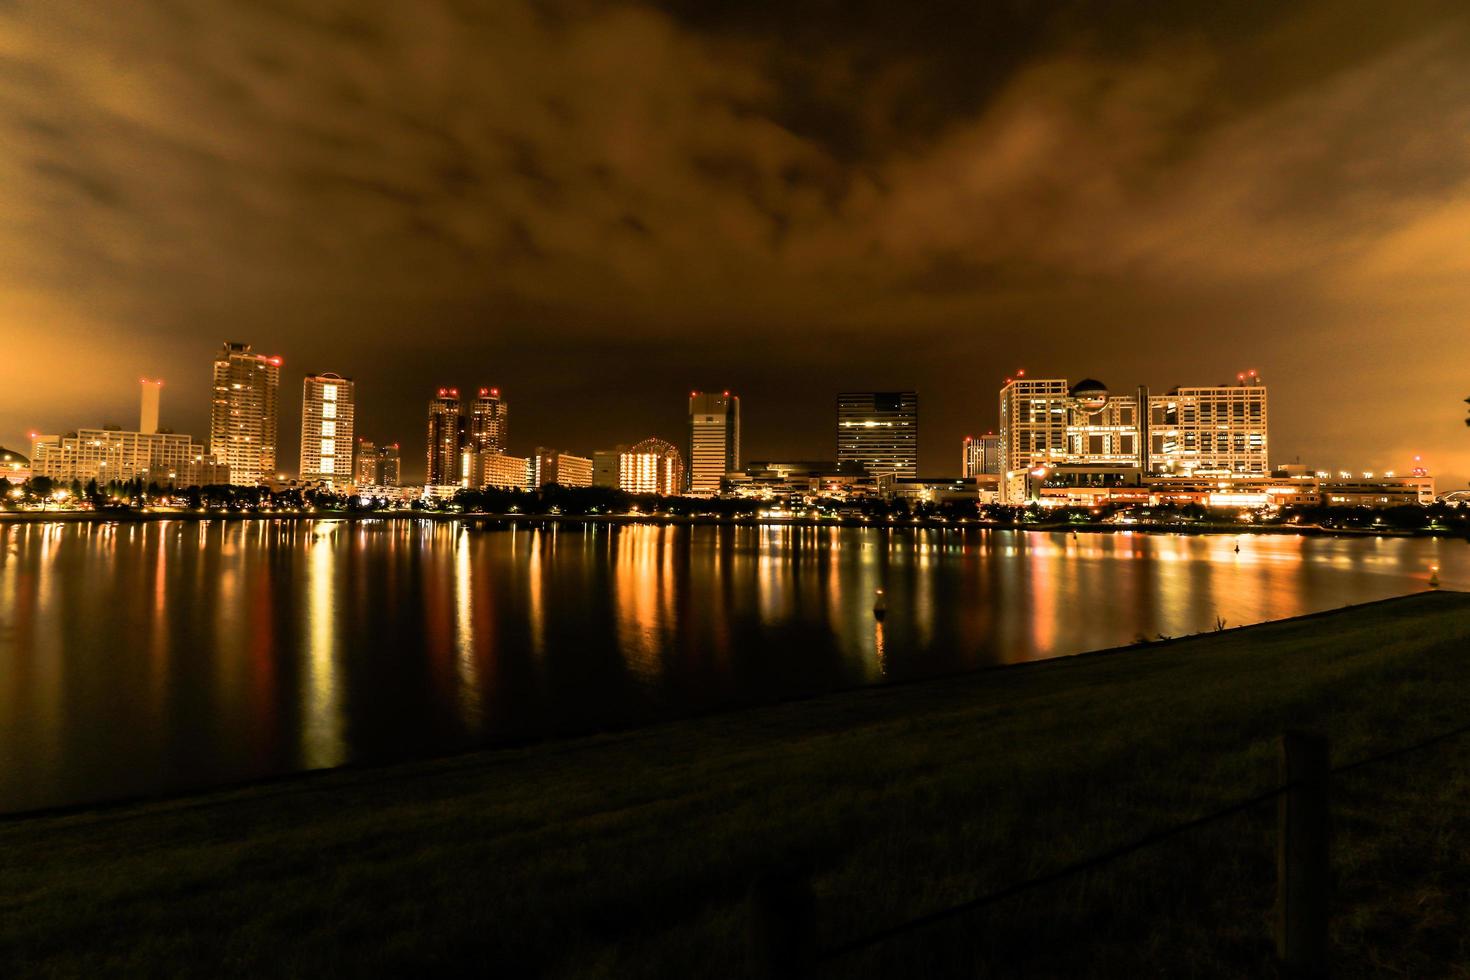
<point x="242" y="420"/>
<point x="651" y="466"/>
<point x="714" y="441"/>
<point x="879" y="431"/>
<point x="501" y="472"/>
<point x="328" y="416"/>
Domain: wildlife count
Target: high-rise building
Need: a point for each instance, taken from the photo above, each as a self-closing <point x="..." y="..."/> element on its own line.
<point x="652" y="466"/>
<point x="552" y="466"/>
<point x="1218" y="429"/>
<point x="981" y="455"/>
<point x="606" y="465"/>
<point x="487" y="430"/>
<point x="242" y="420"/>
<point x="714" y="441"/>
<point x="375" y="466"/>
<point x="328" y="418"/>
<point x="879" y="431"/>
<point x="444" y="465"/>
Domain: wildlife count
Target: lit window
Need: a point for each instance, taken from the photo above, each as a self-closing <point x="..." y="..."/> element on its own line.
<point x="329" y="410"/>
<point x="329" y="447"/>
<point x="329" y="427"/>
<point x="329" y="393"/>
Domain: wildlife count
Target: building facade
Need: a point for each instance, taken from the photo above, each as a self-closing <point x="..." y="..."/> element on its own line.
<point x="714" y="441"/>
<point x="1212" y="430"/>
<point x="552" y="466"/>
<point x="502" y="472"/>
<point x="443" y="464"/>
<point x="488" y="428"/>
<point x="328" y="421"/>
<point x="606" y="467"/>
<point x="1033" y="431"/>
<point x="242" y="420"/>
<point x="879" y="431"/>
<point x="980" y="455"/>
<point x="376" y="466"/>
<point x="652" y="466"/>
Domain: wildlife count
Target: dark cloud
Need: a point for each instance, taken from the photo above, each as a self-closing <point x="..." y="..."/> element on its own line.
<point x="597" y="206"/>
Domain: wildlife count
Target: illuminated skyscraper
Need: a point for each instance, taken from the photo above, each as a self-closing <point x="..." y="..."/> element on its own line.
<point x="242" y="420"/>
<point x="714" y="441"/>
<point x="879" y="431"/>
<point x="328" y="416"/>
<point x="444" y="465"/>
<point x="487" y="431"/>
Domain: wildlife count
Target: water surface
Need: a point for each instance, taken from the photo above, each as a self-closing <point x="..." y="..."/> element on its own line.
<point x="159" y="657"/>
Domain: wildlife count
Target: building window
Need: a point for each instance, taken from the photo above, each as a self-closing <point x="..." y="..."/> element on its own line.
<point x="329" y="393"/>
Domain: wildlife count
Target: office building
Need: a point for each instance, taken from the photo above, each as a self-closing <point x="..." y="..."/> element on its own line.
<point x="981" y="455"/>
<point x="879" y="431"/>
<point x="242" y="421"/>
<point x="487" y="430"/>
<point x="1033" y="430"/>
<point x="606" y="464"/>
<point x="328" y="419"/>
<point x="714" y="441"/>
<point x="443" y="465"/>
<point x="376" y="466"/>
<point x="552" y="466"/>
<point x="652" y="466"/>
<point x="1213" y="430"/>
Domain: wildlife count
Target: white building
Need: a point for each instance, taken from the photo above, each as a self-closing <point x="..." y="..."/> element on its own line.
<point x="328" y="421"/>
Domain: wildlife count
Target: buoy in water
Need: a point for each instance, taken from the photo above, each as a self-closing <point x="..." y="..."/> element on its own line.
<point x="1434" y="576"/>
<point x="880" y="604"/>
<point x="1237" y="549"/>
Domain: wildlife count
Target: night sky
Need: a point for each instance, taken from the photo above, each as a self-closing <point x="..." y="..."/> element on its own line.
<point x="598" y="207"/>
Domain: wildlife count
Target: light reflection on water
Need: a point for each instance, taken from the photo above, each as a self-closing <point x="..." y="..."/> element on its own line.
<point x="140" y="658"/>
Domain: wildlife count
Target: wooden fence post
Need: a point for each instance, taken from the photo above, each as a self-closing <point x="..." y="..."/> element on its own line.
<point x="781" y="936"/>
<point x="1302" y="856"/>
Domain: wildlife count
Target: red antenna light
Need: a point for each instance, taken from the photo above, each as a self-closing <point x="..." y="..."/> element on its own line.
<point x="1021" y="373"/>
<point x="727" y="394"/>
<point x="495" y="392"/>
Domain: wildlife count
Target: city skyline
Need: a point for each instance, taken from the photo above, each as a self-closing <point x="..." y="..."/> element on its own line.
<point x="1141" y="199"/>
<point x="479" y="430"/>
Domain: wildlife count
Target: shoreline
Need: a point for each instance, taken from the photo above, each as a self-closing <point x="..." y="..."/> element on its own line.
<point x="506" y="520"/>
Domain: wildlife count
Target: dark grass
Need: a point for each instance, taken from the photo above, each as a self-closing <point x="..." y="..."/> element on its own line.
<point x="631" y="854"/>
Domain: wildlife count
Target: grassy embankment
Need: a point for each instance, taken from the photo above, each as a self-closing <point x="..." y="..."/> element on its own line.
<point x="630" y="854"/>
